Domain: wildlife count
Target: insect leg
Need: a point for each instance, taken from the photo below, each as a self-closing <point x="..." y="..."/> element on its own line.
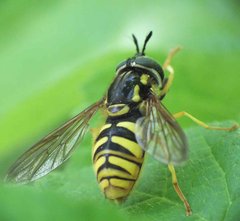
<point x="169" y="68"/>
<point x="169" y="80"/>
<point x="169" y="57"/>
<point x="178" y="190"/>
<point x="202" y="124"/>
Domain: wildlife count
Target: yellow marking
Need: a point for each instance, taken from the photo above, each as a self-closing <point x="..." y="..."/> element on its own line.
<point x="99" y="163"/>
<point x="112" y="172"/>
<point x="96" y="131"/>
<point x="128" y="125"/>
<point x="103" y="184"/>
<point x="115" y="193"/>
<point x="126" y="184"/>
<point x="144" y="79"/>
<point x="106" y="126"/>
<point x="132" y="146"/>
<point x="136" y="97"/>
<point x="156" y="90"/>
<point x="122" y="111"/>
<point x="132" y="168"/>
<point x="124" y="155"/>
<point x="142" y="107"/>
<point x="99" y="143"/>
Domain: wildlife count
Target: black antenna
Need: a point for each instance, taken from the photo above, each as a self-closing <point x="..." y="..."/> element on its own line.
<point x="136" y="43"/>
<point x="146" y="41"/>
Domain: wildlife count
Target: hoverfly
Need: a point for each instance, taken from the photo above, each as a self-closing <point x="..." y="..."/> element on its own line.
<point x="137" y="122"/>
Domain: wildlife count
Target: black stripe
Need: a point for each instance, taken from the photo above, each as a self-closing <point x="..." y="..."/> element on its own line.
<point x="107" y="164"/>
<point x="131" y="116"/>
<point x="117" y="131"/>
<point x="115" y="155"/>
<point x="112" y="146"/>
<point x="117" y="177"/>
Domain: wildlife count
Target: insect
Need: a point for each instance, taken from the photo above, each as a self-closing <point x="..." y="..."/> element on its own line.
<point x="137" y="123"/>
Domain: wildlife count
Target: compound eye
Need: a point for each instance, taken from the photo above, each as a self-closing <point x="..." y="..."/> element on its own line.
<point x="122" y="65"/>
<point x="149" y="63"/>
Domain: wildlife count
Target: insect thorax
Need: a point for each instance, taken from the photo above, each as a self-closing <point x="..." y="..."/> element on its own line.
<point x="127" y="91"/>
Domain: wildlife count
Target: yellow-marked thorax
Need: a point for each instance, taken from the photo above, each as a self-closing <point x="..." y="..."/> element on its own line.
<point x="129" y="88"/>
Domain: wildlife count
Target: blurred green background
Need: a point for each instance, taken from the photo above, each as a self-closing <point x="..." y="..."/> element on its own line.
<point x="58" y="57"/>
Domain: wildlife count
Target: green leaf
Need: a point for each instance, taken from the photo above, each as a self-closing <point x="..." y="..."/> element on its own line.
<point x="210" y="181"/>
<point x="25" y="203"/>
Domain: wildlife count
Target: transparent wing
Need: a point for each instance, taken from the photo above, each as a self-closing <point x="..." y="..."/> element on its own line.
<point x="52" y="150"/>
<point x="159" y="134"/>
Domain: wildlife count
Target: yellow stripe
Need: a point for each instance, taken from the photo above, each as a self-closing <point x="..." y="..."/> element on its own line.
<point x="126" y="184"/>
<point x="128" y="125"/>
<point x="115" y="193"/>
<point x="112" y="172"/>
<point x="106" y="126"/>
<point x="118" y="153"/>
<point x="103" y="184"/>
<point x="136" y="97"/>
<point x="99" y="143"/>
<point x="132" y="168"/>
<point x="133" y="147"/>
<point x="99" y="163"/>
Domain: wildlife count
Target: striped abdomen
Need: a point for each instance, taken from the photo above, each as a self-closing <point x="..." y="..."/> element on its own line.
<point x="117" y="158"/>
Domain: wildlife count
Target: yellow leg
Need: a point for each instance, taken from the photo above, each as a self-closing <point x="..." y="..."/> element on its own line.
<point x="169" y="80"/>
<point x="170" y="56"/>
<point x="183" y="113"/>
<point x="167" y="67"/>
<point x="178" y="190"/>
